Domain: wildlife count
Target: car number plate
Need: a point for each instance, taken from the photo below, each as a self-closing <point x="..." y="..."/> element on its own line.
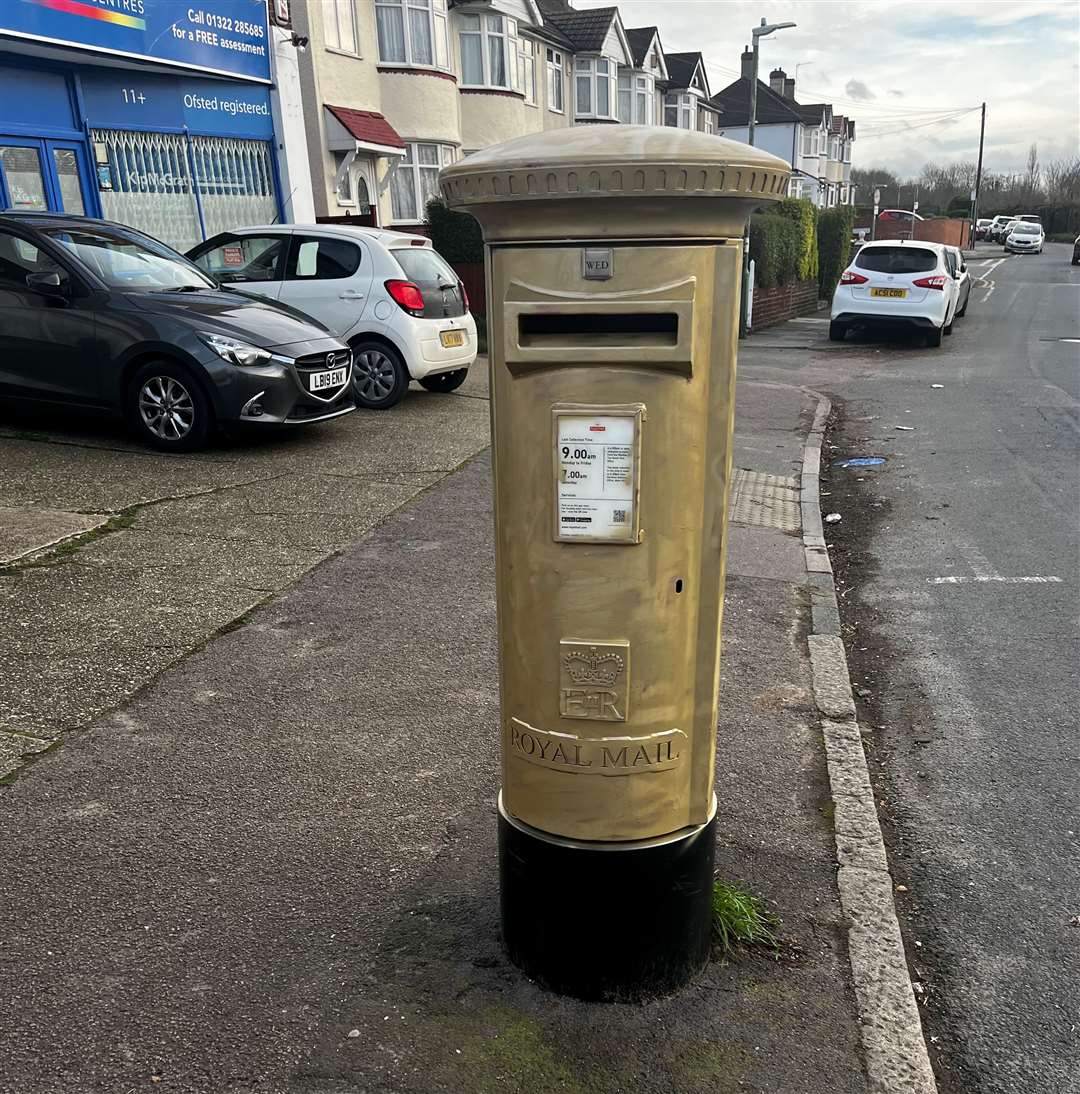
<point x="896" y="293"/>
<point x="320" y="381"/>
<point x="452" y="338"/>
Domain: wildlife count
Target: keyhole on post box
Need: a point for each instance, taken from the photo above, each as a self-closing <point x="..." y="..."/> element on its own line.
<point x="678" y="584"/>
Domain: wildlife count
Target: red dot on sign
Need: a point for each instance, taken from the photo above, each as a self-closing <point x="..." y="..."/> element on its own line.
<point x="597" y="428"/>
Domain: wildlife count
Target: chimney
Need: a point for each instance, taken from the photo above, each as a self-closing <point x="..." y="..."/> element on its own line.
<point x="789" y="88"/>
<point x="777" y="79"/>
<point x="747" y="63"/>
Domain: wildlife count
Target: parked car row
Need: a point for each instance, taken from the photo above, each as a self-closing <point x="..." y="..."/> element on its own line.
<point x="901" y="283"/>
<point x="267" y="327"/>
<point x="1000" y="227"/>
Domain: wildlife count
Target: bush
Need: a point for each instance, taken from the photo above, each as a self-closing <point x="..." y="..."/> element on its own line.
<point x="803" y="214"/>
<point x="774" y="246"/>
<point x="834" y="244"/>
<point x="456" y="236"/>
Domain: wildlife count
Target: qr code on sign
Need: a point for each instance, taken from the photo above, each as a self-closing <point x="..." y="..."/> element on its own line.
<point x="618" y="516"/>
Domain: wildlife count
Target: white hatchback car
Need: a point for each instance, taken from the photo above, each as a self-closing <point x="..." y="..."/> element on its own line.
<point x="390" y="295"/>
<point x="1025" y="237"/>
<point x="896" y="282"/>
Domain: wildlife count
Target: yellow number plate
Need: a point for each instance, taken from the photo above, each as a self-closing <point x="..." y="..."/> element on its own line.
<point x="452" y="338"/>
<point x="896" y="293"/>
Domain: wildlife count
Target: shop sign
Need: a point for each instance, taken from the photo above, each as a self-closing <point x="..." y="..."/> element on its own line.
<point x="228" y="37"/>
<point x="122" y="99"/>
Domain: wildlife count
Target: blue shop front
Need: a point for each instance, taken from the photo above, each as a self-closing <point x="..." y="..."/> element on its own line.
<point x="154" y="113"/>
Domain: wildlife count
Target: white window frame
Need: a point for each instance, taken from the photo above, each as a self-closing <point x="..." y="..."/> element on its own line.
<point x="590" y="70"/>
<point x="437" y="28"/>
<point x="496" y="31"/>
<point x="332" y="13"/>
<point x="526" y="69"/>
<point x="685" y="106"/>
<point x="345" y="191"/>
<point x="639" y="89"/>
<point x="410" y="163"/>
<point x="708" y="122"/>
<point x="555" y="86"/>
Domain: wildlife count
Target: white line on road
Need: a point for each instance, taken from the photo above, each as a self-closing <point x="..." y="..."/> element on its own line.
<point x="982" y="579"/>
<point x="988" y="292"/>
<point x="979" y="563"/>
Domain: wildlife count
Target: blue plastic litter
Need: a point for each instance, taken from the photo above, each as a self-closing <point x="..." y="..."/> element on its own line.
<point x="860" y="461"/>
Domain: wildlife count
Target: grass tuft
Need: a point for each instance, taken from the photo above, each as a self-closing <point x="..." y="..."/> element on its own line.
<point x="740" y="919"/>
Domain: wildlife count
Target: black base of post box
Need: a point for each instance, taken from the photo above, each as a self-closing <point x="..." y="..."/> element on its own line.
<point x="610" y="922"/>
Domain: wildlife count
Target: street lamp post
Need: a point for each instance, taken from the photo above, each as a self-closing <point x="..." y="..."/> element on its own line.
<point x="757" y="34"/>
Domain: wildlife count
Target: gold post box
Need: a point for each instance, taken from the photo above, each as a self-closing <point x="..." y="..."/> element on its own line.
<point x="614" y="258"/>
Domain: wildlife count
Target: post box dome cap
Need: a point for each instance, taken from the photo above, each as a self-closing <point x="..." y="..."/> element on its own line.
<point x="614" y="161"/>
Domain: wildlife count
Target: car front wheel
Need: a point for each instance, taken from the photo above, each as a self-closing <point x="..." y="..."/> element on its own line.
<point x="380" y="377"/>
<point x="168" y="408"/>
<point x="445" y="381"/>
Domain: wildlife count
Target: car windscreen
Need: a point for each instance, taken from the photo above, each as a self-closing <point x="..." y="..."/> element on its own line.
<point x="1026" y="228"/>
<point x="424" y="267"/>
<point x="131" y="263"/>
<point x="897" y="260"/>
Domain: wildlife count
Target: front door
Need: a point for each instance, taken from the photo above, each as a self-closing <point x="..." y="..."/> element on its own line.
<point x="48" y="348"/>
<point x="38" y="176"/>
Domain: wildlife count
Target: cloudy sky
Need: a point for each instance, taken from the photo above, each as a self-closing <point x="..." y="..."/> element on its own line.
<point x="898" y="68"/>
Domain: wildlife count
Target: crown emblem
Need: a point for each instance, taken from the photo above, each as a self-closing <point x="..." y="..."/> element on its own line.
<point x="594" y="667"/>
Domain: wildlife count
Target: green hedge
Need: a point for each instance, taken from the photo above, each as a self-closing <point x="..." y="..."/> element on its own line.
<point x="804" y="215"/>
<point x="456" y="236"/>
<point x="775" y="243"/>
<point x="834" y="245"/>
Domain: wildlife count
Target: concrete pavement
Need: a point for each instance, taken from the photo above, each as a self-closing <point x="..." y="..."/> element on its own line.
<point x="288" y="836"/>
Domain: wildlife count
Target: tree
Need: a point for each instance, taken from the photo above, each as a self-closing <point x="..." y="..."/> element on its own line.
<point x="1031" y="178"/>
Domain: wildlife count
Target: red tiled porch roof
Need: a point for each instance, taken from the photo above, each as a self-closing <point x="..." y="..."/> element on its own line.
<point x="368" y="126"/>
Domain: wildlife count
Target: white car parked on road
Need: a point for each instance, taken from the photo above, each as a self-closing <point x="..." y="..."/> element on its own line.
<point x="1025" y="237"/>
<point x="896" y="282"/>
<point x="390" y="295"/>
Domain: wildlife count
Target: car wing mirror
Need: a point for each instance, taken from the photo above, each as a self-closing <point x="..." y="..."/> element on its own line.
<point x="46" y="282"/>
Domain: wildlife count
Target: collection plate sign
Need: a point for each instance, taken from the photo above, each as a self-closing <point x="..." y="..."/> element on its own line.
<point x="597" y="457"/>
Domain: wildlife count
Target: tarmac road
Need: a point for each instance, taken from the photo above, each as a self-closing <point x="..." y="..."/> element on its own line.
<point x="958" y="567"/>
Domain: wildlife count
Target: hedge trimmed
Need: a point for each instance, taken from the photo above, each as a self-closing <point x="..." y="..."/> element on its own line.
<point x="456" y="236"/>
<point x="775" y="244"/>
<point x="804" y="215"/>
<point x="834" y="245"/>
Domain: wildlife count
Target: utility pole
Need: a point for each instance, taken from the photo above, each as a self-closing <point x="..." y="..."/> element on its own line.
<point x="978" y="177"/>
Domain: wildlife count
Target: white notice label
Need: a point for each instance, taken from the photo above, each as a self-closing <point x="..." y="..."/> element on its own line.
<point x="596" y="477"/>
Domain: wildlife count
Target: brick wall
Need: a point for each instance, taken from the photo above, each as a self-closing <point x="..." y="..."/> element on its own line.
<point x="784" y="302"/>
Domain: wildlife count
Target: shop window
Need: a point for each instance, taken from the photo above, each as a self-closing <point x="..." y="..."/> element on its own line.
<point x="413" y="32"/>
<point x="416" y="180"/>
<point x="339" y="25"/>
<point x="555" y="81"/>
<point x="594" y="87"/>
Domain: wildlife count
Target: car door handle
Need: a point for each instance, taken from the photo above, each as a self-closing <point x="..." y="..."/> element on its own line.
<point x="351" y="294"/>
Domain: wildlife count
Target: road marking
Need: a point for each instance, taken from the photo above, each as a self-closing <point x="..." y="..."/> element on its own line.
<point x="979" y="563"/>
<point x="988" y="292"/>
<point x="998" y="578"/>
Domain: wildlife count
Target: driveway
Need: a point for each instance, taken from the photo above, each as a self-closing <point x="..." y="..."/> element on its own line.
<point x="153" y="554"/>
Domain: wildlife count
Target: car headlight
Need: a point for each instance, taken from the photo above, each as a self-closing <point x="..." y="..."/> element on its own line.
<point x="235" y="351"/>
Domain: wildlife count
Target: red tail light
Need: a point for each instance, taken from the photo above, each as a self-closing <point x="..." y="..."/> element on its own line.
<point x="849" y="277"/>
<point x="407" y="296"/>
<point x="464" y="295"/>
<point x="935" y="282"/>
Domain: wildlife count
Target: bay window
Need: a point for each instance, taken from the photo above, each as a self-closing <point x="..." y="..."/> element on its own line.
<point x="415" y="180"/>
<point x="413" y="32"/>
<point x="526" y="68"/>
<point x="339" y="25"/>
<point x="555" y="81"/>
<point x="679" y="110"/>
<point x="482" y="39"/>
<point x="635" y="98"/>
<point x="594" y="87"/>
